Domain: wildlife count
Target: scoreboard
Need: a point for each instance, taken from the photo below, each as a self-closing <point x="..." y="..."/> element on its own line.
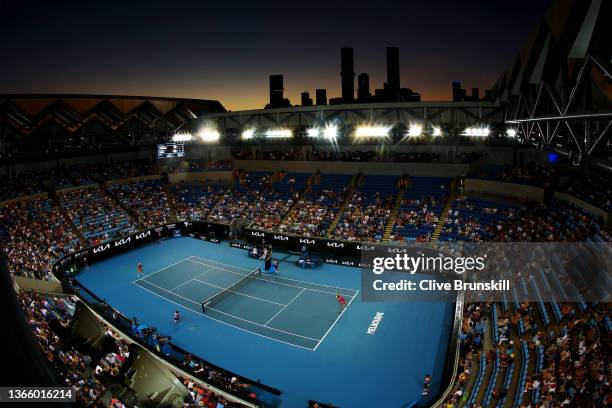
<point x="168" y="150"/>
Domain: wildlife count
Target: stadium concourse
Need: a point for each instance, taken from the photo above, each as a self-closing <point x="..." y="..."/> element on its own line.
<point x="512" y="354"/>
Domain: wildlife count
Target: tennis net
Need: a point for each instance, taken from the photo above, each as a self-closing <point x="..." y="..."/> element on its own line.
<point x="208" y="303"/>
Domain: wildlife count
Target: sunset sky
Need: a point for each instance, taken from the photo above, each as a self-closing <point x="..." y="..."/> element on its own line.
<point x="226" y="50"/>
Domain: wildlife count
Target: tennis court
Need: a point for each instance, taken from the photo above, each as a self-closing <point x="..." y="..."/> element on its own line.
<point x="286" y="310"/>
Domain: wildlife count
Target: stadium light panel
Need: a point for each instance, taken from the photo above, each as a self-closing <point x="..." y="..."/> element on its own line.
<point x="511" y="133"/>
<point x="313" y="132"/>
<point x="437" y="131"/>
<point x="247" y="134"/>
<point x="330" y="132"/>
<point x="476" y="131"/>
<point x="372" y="131"/>
<point x="209" y="135"/>
<point x="182" y="137"/>
<point x="279" y="133"/>
<point x="415" y="130"/>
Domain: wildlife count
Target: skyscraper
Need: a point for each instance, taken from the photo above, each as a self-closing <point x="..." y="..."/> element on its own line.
<point x="306" y="101"/>
<point x="363" y="87"/>
<point x="276" y="91"/>
<point x="475" y="94"/>
<point x="347" y="73"/>
<point x="321" y="96"/>
<point x="458" y="92"/>
<point x="393" y="74"/>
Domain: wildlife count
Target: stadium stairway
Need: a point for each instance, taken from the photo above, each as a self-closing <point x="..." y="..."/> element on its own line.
<point x="133" y="217"/>
<point x="229" y="190"/>
<point x="357" y="179"/>
<point x="62" y="210"/>
<point x="309" y="182"/>
<point x="443" y="217"/>
<point x="487" y="376"/>
<point x="393" y="215"/>
<point x="171" y="198"/>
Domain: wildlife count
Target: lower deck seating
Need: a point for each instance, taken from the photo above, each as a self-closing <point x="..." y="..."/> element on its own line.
<point x="96" y="215"/>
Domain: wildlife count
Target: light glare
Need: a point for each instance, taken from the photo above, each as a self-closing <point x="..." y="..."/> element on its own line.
<point x="279" y="133"/>
<point x="248" y="134"/>
<point x="476" y="131"/>
<point x="313" y="132"/>
<point x="372" y="131"/>
<point x="437" y="131"/>
<point x="415" y="130"/>
<point x="330" y="132"/>
<point x="209" y="135"/>
<point x="182" y="137"/>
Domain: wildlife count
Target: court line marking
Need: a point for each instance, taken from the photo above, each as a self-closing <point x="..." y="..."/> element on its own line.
<point x="189" y="259"/>
<point x="336" y="321"/>
<point x="235" y="317"/>
<point x="239" y="293"/>
<point x="194" y="278"/>
<point x="280" y="277"/>
<point x="162" y="269"/>
<point x="277" y="313"/>
<point x="273" y="280"/>
<point x="221" y="321"/>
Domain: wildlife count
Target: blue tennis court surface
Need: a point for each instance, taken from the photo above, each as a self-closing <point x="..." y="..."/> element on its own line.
<point x="285" y="330"/>
<point x="294" y="312"/>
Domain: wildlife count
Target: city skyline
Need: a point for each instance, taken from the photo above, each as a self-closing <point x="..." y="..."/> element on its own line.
<point x="229" y="57"/>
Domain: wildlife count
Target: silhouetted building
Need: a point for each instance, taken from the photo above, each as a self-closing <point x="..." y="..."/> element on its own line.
<point x="459" y="93"/>
<point x="347" y="73"/>
<point x="363" y="87"/>
<point x="276" y="91"/>
<point x="336" y="101"/>
<point x="393" y="74"/>
<point x="408" y="95"/>
<point x="321" y="96"/>
<point x="306" y="101"/>
<point x="475" y="94"/>
<point x="488" y="95"/>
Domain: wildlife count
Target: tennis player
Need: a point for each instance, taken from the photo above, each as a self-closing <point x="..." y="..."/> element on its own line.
<point x="139" y="270"/>
<point x="176" y="317"/>
<point x="341" y="301"/>
<point x="276" y="267"/>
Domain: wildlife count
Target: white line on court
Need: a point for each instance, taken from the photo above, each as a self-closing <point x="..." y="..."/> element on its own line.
<point x="270" y="280"/>
<point x="277" y="313"/>
<point x="278" y="277"/>
<point x="239" y="293"/>
<point x="225" y="323"/>
<point x="229" y="314"/>
<point x="194" y="278"/>
<point x="336" y="321"/>
<point x="162" y="269"/>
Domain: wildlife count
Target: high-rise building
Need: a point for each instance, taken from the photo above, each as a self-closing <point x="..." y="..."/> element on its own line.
<point x="306" y="101"/>
<point x="347" y="73"/>
<point x="393" y="74"/>
<point x="475" y="94"/>
<point x="276" y="91"/>
<point x="408" y="95"/>
<point x="363" y="87"/>
<point x="321" y="96"/>
<point x="458" y="92"/>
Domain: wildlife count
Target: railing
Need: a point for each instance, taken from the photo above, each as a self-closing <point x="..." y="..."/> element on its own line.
<point x="174" y="355"/>
<point x="124" y="324"/>
<point x="177" y="354"/>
